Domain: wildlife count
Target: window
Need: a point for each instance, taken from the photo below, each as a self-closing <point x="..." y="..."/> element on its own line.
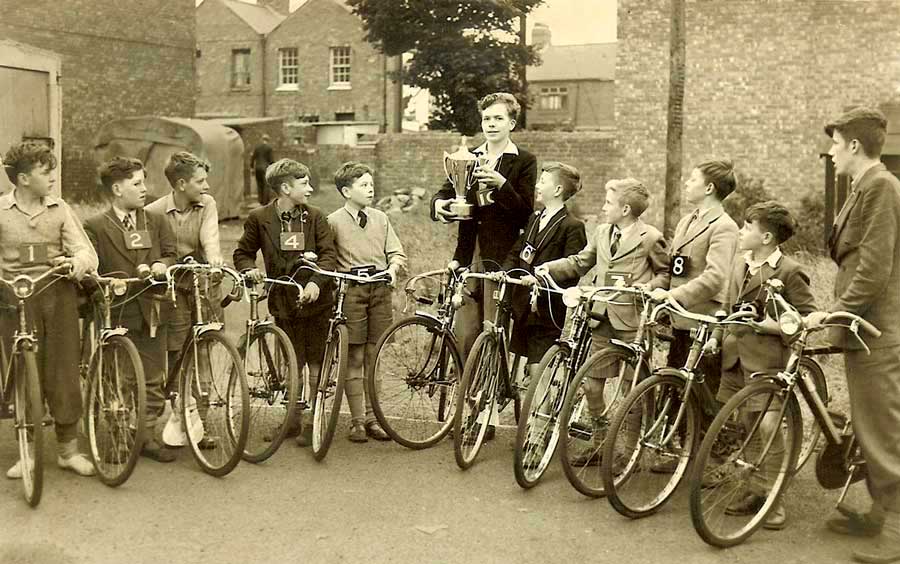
<point x="554" y="98"/>
<point x="240" y="68"/>
<point x="340" y="67"/>
<point x="288" y="68"/>
<point x="345" y="116"/>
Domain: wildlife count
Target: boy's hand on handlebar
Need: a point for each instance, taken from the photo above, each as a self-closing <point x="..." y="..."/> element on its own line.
<point x="255" y="275"/>
<point x="659" y="295"/>
<point x="158" y="270"/>
<point x="767" y="326"/>
<point x="529" y="280"/>
<point x="711" y="346"/>
<point x="310" y="293"/>
<point x="392" y="271"/>
<point x="542" y="271"/>
<point x="453" y="265"/>
<point x="815" y="319"/>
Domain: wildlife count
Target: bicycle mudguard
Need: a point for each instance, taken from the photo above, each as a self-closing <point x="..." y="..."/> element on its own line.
<point x="207" y="327"/>
<point x="105" y="334"/>
<point x="832" y="470"/>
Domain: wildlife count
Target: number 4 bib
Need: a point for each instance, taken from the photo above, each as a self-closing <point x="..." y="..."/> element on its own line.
<point x="292" y="241"/>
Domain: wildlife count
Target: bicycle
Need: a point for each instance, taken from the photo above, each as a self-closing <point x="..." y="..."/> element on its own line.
<point x="658" y="422"/>
<point x="487" y="384"/>
<point x="538" y="433"/>
<point x="207" y="382"/>
<point x="21" y="377"/>
<point x="273" y="376"/>
<point x="327" y="403"/>
<point x="586" y="428"/>
<point x="418" y="365"/>
<point x="734" y="459"/>
<point x="116" y="398"/>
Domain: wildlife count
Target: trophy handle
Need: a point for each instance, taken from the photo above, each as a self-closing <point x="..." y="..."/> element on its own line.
<point x="447" y="174"/>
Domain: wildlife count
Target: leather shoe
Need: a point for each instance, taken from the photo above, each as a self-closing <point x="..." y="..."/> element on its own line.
<point x="207" y="443"/>
<point x="855" y="525"/>
<point x="374" y="430"/>
<point x="883" y="550"/>
<point x="776" y="519"/>
<point x="748" y="505"/>
<point x="358" y="433"/>
<point x="155" y="451"/>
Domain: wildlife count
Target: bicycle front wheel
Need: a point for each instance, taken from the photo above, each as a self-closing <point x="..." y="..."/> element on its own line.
<point x="414" y="380"/>
<point x="271" y="367"/>
<point x="649" y="445"/>
<point x="812" y="433"/>
<point x="476" y="399"/>
<point x="594" y="396"/>
<point x="116" y="409"/>
<point x="327" y="408"/>
<point x="538" y="431"/>
<point x="744" y="463"/>
<point x="29" y="417"/>
<point x="214" y="389"/>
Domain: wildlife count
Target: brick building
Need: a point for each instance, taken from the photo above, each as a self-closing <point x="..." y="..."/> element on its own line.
<point x="760" y="83"/>
<point x="118" y="59"/>
<point x="314" y="65"/>
<point x="574" y="86"/>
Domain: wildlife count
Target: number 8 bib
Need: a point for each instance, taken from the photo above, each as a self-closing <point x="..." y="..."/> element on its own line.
<point x="680" y="266"/>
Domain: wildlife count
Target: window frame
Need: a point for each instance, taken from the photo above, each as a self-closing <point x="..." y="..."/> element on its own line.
<point x="241" y="53"/>
<point x="286" y="53"/>
<point x="338" y="54"/>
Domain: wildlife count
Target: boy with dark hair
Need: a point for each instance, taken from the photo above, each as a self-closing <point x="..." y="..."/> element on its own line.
<point x="746" y="350"/>
<point x="503" y="199"/>
<point x="127" y="237"/>
<point x="39" y="231"/>
<point x="283" y="230"/>
<point x="365" y="241"/>
<point x="550" y="234"/>
<point x="624" y="250"/>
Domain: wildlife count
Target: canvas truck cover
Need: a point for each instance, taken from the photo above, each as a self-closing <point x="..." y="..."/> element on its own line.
<point x="152" y="139"/>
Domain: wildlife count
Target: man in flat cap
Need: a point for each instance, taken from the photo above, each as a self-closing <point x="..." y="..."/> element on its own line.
<point x="865" y="244"/>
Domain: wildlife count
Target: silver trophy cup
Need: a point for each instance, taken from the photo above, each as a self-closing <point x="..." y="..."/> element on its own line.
<point x="459" y="167"/>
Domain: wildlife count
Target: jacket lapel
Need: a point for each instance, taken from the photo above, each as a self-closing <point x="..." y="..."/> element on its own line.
<point x="841" y="220"/>
<point x="751" y="288"/>
<point x="543" y="237"/>
<point x="698" y="227"/>
<point x="633" y="240"/>
<point x="116" y="233"/>
<point x="272" y="224"/>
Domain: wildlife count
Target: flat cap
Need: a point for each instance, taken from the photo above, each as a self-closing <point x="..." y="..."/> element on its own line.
<point x="861" y="114"/>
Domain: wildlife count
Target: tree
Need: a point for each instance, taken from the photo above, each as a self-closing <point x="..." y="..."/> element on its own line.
<point x="461" y="50"/>
<point x="675" y="118"/>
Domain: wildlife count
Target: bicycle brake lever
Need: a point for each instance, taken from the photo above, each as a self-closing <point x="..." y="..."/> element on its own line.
<point x="854" y="328"/>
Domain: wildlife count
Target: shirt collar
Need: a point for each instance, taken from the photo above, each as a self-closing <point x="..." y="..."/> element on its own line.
<point x="8" y="200"/>
<point x="510" y="149"/>
<point x="859" y="175"/>
<point x="626" y="231"/>
<point x="550" y="212"/>
<point x="772" y="260"/>
<point x="353" y="213"/>
<point x="122" y="213"/>
<point x="170" y="203"/>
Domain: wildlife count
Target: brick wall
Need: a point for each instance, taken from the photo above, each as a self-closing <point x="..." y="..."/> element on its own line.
<point x="762" y="78"/>
<point x="109" y="70"/>
<point x="590" y="103"/>
<point x="365" y="99"/>
<point x="219" y="32"/>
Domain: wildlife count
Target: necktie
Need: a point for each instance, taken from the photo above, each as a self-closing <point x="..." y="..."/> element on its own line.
<point x="363" y="219"/>
<point x="128" y="223"/>
<point x="614" y="244"/>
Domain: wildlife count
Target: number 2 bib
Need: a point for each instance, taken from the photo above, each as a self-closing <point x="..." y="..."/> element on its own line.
<point x="135" y="240"/>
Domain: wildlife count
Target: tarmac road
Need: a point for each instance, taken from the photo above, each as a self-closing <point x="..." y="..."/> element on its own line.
<point x="376" y="502"/>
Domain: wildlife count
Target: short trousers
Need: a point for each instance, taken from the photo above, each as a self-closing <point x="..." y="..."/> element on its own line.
<point x="369" y="310"/>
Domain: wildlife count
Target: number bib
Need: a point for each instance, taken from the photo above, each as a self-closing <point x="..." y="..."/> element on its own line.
<point x="363" y="271"/>
<point x="679" y="266"/>
<point x="485" y="196"/>
<point x="33" y="253"/>
<point x="292" y="241"/>
<point x="617" y="278"/>
<point x="527" y="254"/>
<point x="135" y="240"/>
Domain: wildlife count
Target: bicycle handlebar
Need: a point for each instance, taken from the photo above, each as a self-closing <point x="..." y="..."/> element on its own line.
<point x="382" y="276"/>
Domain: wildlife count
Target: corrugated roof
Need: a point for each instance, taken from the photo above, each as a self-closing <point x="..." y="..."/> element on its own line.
<point x="262" y="19"/>
<point x="593" y="61"/>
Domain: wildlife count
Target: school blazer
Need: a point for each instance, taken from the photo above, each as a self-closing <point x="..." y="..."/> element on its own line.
<point x="710" y="243"/>
<point x="262" y="232"/>
<point x="563" y="235"/>
<point x="757" y="352"/>
<point x="107" y="234"/>
<point x="865" y="245"/>
<point x="642" y="254"/>
<point x="496" y="227"/>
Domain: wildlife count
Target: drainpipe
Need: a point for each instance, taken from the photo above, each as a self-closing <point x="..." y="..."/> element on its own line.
<point x="262" y="41"/>
<point x="384" y="91"/>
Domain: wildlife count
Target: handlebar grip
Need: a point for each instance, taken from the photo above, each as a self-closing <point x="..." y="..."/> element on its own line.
<point x="867" y="327"/>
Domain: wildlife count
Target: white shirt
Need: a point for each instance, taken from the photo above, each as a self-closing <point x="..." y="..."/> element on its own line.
<point x="753" y="266"/>
<point x="547" y="214"/>
<point x="122" y="213"/>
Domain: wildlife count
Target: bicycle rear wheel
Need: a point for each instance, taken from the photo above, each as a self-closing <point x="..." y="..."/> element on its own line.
<point x="116" y="409"/>
<point x="214" y="388"/>
<point x="414" y="381"/>
<point x="744" y="463"/>
<point x="271" y="367"/>
<point x="649" y="446"/>
<point x="585" y="429"/>
<point x="327" y="408"/>
<point x="537" y="433"/>
<point x="812" y="433"/>
<point x="476" y="399"/>
<point x="29" y="417"/>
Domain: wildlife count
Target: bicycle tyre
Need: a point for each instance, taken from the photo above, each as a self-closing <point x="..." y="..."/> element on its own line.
<point x="29" y="418"/>
<point x="327" y="408"/>
<point x="227" y="431"/>
<point x="400" y="381"/>
<point x="812" y="433"/>
<point x="586" y="477"/>
<point x="710" y="473"/>
<point x="652" y="399"/>
<point x="480" y="383"/>
<point x="116" y="409"/>
<point x="537" y="433"/>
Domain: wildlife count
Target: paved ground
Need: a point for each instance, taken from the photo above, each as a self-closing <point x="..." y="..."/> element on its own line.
<point x="368" y="503"/>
